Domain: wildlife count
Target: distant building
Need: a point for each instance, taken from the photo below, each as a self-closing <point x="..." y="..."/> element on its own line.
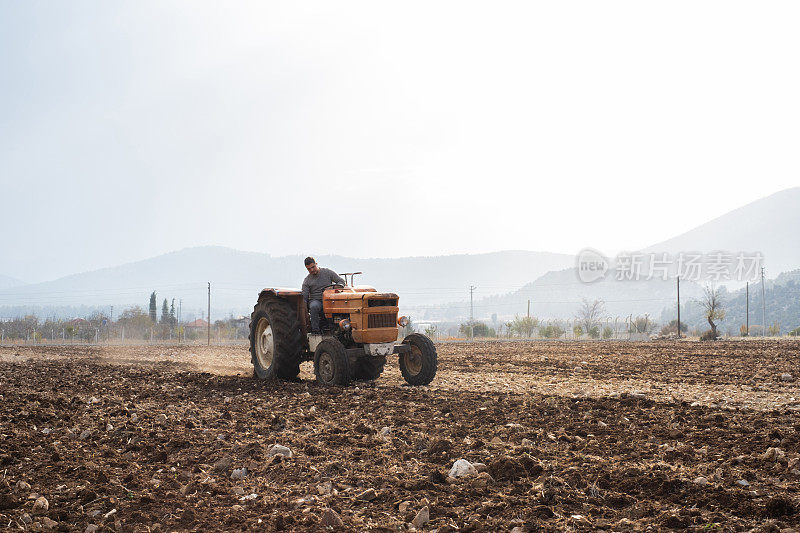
<point x="242" y="324"/>
<point x="197" y="324"/>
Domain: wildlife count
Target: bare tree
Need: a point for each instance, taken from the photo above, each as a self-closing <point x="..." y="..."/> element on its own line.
<point x="713" y="307"/>
<point x="642" y="324"/>
<point x="590" y="313"/>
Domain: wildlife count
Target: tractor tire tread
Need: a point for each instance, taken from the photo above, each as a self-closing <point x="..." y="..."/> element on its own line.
<point x="286" y="334"/>
<point x="429" y="356"/>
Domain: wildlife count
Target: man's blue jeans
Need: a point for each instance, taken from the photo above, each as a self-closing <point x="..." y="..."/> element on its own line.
<point x="317" y="317"/>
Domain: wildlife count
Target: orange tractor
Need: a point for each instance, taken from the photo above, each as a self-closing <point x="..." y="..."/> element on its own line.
<point x="361" y="332"/>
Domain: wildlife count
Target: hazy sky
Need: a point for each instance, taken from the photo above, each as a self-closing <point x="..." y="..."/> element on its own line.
<point x="375" y="129"/>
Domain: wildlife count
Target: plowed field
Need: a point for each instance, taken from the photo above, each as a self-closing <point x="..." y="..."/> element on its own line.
<point x="566" y="436"/>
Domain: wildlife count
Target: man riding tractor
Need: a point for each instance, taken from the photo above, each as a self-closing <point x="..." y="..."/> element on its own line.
<point x="348" y="331"/>
<point x="314" y="285"/>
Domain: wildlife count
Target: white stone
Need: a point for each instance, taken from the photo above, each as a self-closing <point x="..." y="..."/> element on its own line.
<point x="462" y="468"/>
<point x="278" y="449"/>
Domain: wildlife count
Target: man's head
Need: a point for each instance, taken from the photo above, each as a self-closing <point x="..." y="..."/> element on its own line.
<point x="311" y="265"/>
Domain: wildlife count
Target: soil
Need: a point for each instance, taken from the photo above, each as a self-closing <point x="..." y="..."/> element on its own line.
<point x="565" y="436"/>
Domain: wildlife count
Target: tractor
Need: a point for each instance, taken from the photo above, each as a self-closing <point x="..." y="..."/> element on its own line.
<point x="360" y="331"/>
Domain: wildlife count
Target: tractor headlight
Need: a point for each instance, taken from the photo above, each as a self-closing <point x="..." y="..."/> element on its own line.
<point x="344" y="324"/>
<point x="402" y="321"/>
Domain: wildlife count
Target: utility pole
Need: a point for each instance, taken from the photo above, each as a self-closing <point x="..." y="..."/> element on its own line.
<point x="471" y="325"/>
<point x="678" y="278"/>
<point x="763" y="304"/>
<point x="747" y="308"/>
<point x="529" y="308"/>
<point x="209" y="313"/>
<point x="110" y="323"/>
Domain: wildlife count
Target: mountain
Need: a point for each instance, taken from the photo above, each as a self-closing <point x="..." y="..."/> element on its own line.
<point x="236" y="277"/>
<point x="7" y="282"/>
<point x="431" y="286"/>
<point x="560" y="294"/>
<point x="782" y="309"/>
<point x="768" y="225"/>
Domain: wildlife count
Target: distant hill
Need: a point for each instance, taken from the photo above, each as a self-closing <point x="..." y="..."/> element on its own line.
<point x="769" y="225"/>
<point x="782" y="297"/>
<point x="236" y="277"/>
<point x="7" y="282"/>
<point x="559" y="295"/>
<point x="432" y="286"/>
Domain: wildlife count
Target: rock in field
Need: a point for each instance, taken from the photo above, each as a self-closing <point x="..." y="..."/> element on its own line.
<point x="462" y="468"/>
<point x="482" y="480"/>
<point x="772" y="455"/>
<point x="368" y="495"/>
<point x="277" y="449"/>
<point x="41" y="505"/>
<point x="239" y="473"/>
<point x="331" y="518"/>
<point x="422" y="518"/>
<point x="787" y="377"/>
<point x="223" y="465"/>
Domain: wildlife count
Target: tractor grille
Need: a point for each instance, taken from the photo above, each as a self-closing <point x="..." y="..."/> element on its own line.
<point x="382" y="320"/>
<point x="381" y="302"/>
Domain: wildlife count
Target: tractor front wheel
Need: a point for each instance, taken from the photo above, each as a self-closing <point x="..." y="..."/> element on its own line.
<point x="331" y="365"/>
<point x="418" y="365"/>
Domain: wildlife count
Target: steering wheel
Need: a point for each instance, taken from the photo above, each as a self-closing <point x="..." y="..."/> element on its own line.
<point x="333" y="286"/>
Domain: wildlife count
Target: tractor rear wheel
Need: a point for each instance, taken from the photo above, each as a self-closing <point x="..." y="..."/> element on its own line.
<point x="418" y="365"/>
<point x="369" y="368"/>
<point x="275" y="339"/>
<point x="331" y="365"/>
